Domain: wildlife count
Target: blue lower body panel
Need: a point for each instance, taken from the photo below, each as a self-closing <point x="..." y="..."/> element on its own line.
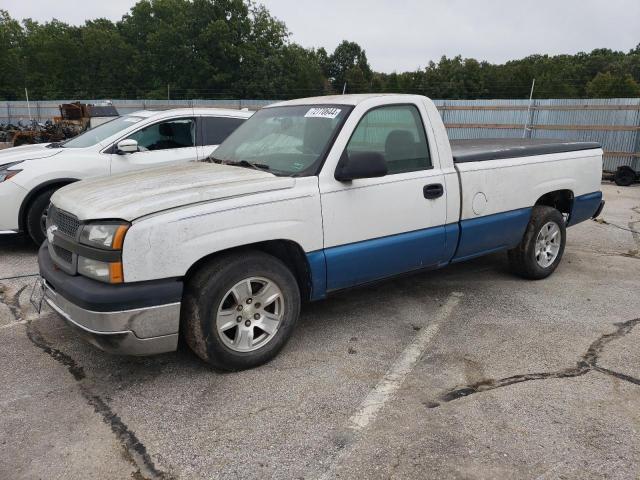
<point x="584" y="207"/>
<point x="353" y="264"/>
<point x="369" y="260"/>
<point x="483" y="235"/>
<point x="318" y="267"/>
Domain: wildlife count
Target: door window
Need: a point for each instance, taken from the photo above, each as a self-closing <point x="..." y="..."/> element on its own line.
<point x="216" y="129"/>
<point x="397" y="133"/>
<point x="175" y="133"/>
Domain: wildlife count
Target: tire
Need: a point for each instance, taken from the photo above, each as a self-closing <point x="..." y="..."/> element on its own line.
<point x="36" y="216"/>
<point x="527" y="260"/>
<point x="218" y="337"/>
<point x="624" y="176"/>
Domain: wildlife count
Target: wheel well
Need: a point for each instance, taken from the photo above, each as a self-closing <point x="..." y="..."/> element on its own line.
<point x="289" y="252"/>
<point x="561" y="200"/>
<point x="26" y="203"/>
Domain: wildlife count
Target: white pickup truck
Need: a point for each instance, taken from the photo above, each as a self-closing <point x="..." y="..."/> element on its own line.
<point x="306" y="198"/>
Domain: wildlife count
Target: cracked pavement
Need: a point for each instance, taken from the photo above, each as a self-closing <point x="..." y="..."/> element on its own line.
<point x="521" y="380"/>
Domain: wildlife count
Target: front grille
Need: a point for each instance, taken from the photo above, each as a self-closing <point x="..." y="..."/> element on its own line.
<point x="66" y="223"/>
<point x="63" y="254"/>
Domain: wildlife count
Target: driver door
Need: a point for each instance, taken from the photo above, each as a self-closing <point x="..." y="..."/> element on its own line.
<point x="167" y="142"/>
<point x="380" y="227"/>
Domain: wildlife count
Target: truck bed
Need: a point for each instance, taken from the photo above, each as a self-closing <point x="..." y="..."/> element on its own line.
<point x="479" y="150"/>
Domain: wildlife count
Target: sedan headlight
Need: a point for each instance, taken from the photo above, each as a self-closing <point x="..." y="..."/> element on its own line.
<point x="6" y="174"/>
<point x="109" y="236"/>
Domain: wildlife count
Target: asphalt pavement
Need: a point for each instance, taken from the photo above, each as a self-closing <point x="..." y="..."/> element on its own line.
<point x="467" y="372"/>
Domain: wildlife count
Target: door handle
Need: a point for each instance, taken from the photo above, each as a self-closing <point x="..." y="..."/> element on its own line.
<point x="434" y="190"/>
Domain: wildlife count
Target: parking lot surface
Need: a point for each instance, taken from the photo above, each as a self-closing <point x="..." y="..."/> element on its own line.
<point x="466" y="372"/>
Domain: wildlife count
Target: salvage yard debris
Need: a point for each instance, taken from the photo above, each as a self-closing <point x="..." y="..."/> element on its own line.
<point x="34" y="132"/>
<point x="74" y="119"/>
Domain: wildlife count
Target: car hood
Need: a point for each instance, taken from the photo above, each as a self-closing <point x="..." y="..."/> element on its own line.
<point x="27" y="152"/>
<point x="133" y="195"/>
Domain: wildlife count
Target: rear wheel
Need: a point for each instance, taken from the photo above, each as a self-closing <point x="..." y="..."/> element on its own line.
<point x="37" y="216"/>
<point x="240" y="309"/>
<point x="624" y="176"/>
<point x="541" y="248"/>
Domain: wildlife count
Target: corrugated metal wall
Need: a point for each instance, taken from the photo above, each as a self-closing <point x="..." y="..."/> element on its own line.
<point x="615" y="123"/>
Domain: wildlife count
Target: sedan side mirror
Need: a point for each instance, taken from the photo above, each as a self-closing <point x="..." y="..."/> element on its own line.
<point x="360" y="165"/>
<point x="127" y="146"/>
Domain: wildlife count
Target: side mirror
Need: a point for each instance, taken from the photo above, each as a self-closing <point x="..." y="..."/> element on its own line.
<point x="360" y="165"/>
<point x="127" y="146"/>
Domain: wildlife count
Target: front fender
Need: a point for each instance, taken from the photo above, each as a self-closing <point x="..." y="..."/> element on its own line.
<point x="167" y="244"/>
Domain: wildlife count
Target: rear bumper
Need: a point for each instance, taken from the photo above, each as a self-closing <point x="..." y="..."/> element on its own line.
<point x="586" y="207"/>
<point x="123" y="319"/>
<point x="599" y="210"/>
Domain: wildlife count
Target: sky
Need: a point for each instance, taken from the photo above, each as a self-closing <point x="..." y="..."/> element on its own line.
<point x="403" y="35"/>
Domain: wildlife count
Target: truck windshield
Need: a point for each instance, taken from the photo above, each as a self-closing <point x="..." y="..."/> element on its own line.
<point x="291" y="140"/>
<point x="101" y="132"/>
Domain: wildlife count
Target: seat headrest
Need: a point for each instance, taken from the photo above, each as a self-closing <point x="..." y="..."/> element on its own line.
<point x="166" y="129"/>
<point x="398" y="138"/>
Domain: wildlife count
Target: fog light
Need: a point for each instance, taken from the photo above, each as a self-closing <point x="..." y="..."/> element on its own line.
<point x="101" y="271"/>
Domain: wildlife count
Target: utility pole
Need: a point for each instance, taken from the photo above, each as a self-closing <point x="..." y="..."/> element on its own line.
<point x="168" y="92"/>
<point x="344" y="88"/>
<point x="26" y="94"/>
<point x="526" y="125"/>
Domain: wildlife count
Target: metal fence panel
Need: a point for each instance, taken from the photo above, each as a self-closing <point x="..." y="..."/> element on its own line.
<point x="615" y="123"/>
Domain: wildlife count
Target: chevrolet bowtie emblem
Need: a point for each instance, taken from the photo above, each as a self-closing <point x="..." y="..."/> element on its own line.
<point x="50" y="231"/>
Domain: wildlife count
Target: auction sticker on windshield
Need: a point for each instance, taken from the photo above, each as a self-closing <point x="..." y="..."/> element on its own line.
<point x="323" y="113"/>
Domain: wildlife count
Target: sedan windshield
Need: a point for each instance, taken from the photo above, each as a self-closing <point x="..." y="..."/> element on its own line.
<point x="101" y="132"/>
<point x="284" y="140"/>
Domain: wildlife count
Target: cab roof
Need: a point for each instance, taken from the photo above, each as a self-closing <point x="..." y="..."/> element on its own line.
<point x="354" y="99"/>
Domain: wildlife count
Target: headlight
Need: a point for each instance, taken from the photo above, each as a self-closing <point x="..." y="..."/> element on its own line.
<point x="108" y="236"/>
<point x="105" y="236"/>
<point x="101" y="271"/>
<point x="6" y="174"/>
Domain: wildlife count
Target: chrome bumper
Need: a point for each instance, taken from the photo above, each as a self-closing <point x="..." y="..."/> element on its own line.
<point x="143" y="331"/>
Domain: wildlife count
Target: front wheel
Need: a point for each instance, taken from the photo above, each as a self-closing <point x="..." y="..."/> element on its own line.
<point x="540" y="250"/>
<point x="37" y="216"/>
<point x="240" y="309"/>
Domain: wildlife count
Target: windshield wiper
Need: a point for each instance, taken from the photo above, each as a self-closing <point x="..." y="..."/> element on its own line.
<point x="240" y="163"/>
<point x="55" y="145"/>
<point x="246" y="163"/>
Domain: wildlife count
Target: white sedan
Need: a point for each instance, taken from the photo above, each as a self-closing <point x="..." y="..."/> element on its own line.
<point x="30" y="174"/>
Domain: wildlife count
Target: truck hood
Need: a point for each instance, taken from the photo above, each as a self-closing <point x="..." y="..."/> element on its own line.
<point x="27" y="152"/>
<point x="133" y="195"/>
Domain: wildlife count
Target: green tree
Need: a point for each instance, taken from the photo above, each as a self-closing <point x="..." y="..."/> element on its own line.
<point x="608" y="85"/>
<point x="111" y="60"/>
<point x="52" y="59"/>
<point x="348" y="64"/>
<point x="12" y="73"/>
<point x="235" y="48"/>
